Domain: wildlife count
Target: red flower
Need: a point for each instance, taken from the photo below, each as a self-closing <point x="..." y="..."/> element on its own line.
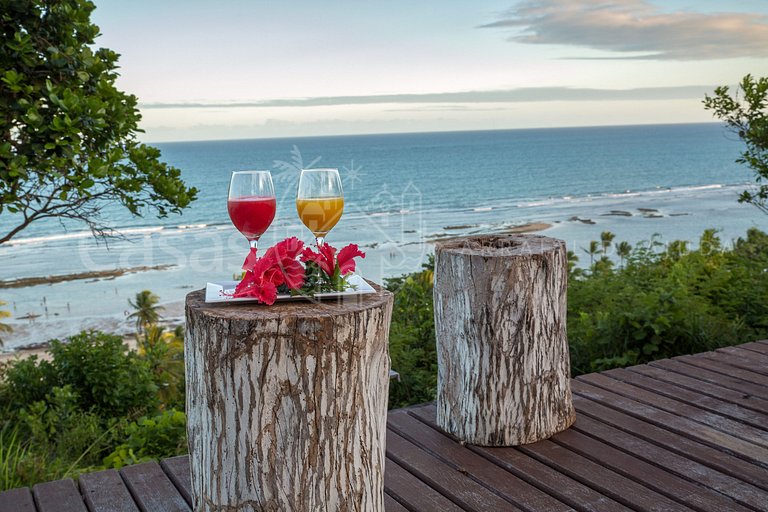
<point x="285" y="254"/>
<point x="257" y="284"/>
<point x="277" y="266"/>
<point x="346" y="258"/>
<point x="325" y="259"/>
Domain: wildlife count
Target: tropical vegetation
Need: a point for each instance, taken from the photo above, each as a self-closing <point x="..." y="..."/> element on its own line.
<point x="93" y="404"/>
<point x="745" y="112"/>
<point x="68" y="135"/>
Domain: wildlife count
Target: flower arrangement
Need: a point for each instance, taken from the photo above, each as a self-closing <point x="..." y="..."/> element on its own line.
<point x="280" y="270"/>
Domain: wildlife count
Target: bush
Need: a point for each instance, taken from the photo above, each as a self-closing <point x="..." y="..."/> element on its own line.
<point x="62" y="417"/>
<point x="668" y="301"/>
<point x="164" y="435"/>
<point x="412" y="338"/>
<point x="59" y="429"/>
<point x="104" y="377"/>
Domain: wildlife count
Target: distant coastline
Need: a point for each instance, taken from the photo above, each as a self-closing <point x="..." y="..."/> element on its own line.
<point x="93" y="274"/>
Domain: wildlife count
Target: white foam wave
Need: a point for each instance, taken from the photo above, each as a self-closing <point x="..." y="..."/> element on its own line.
<point x="81" y="234"/>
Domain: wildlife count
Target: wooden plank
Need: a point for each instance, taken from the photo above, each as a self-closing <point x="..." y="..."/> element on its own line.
<point x="751" y="360"/>
<point x="720" y="365"/>
<point x="737" y="360"/>
<point x="417" y="495"/>
<point x="17" y="500"/>
<point x="58" y="496"/>
<point x="587" y="401"/>
<point x="756" y="346"/>
<point x="177" y="469"/>
<point x="553" y="482"/>
<point x="449" y="481"/>
<point x="749" y="395"/>
<point x="152" y="489"/>
<point x="610" y="483"/>
<point x="681" y="465"/>
<point x="390" y="505"/>
<point x="744" y="439"/>
<point x="653" y="477"/>
<point x="643" y="377"/>
<point x="471" y="464"/>
<point x="104" y="491"/>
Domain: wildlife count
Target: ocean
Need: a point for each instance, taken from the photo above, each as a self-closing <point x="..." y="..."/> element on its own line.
<point x="402" y="192"/>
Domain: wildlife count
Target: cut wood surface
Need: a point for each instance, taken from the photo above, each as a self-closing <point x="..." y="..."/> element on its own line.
<point x="500" y="323"/>
<point x="287" y="404"/>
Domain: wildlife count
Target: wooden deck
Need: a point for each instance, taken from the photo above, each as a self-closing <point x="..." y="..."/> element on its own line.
<point x="689" y="433"/>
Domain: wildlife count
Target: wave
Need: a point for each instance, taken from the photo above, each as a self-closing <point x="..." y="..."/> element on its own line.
<point x="531" y="203"/>
<point x="81" y="234"/>
<point x="627" y="194"/>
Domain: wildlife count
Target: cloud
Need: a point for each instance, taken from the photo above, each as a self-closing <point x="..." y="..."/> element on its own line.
<point x="529" y="94"/>
<point x="632" y="27"/>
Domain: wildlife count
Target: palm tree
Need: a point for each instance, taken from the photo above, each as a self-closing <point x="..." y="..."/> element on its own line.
<point x="622" y="250"/>
<point x="4" y="327"/>
<point x="606" y="238"/>
<point x="146" y="311"/>
<point x="594" y="248"/>
<point x="573" y="260"/>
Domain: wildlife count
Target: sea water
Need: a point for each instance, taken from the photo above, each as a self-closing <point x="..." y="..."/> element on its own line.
<point x="402" y="193"/>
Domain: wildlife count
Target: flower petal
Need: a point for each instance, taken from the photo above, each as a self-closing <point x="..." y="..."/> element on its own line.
<point x="328" y="261"/>
<point x="250" y="260"/>
<point x="347" y="257"/>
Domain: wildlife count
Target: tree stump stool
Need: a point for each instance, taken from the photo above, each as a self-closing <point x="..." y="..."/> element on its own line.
<point x="502" y="348"/>
<point x="287" y="404"/>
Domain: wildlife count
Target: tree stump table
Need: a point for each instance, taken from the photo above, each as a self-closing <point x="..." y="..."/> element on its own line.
<point x="502" y="348"/>
<point x="287" y="404"/>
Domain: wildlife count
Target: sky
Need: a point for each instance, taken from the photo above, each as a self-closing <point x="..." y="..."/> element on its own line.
<point x="237" y="69"/>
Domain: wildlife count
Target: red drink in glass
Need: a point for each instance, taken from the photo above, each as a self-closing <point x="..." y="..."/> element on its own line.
<point x="252" y="215"/>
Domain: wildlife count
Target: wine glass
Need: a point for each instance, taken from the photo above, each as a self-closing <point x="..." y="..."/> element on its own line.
<point x="251" y="203"/>
<point x="320" y="201"/>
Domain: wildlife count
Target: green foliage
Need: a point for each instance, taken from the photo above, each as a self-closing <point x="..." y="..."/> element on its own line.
<point x="96" y="366"/>
<point x="59" y="429"/>
<point x="12" y="456"/>
<point x="164" y="355"/>
<point x="68" y="143"/>
<point x="146" y="311"/>
<point x="63" y="416"/>
<point x="668" y="301"/>
<point x="161" y="436"/>
<point x="412" y="338"/>
<point x="746" y="113"/>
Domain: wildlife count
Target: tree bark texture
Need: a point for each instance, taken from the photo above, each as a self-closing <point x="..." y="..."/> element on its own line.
<point x="502" y="347"/>
<point x="287" y="404"/>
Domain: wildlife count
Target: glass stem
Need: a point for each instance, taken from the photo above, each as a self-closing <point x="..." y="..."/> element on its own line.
<point x="254" y="245"/>
<point x="319" y="240"/>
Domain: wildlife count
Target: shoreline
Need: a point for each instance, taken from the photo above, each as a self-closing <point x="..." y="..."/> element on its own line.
<point x="41" y="350"/>
<point x="24" y="282"/>
<point x="395" y="245"/>
<point x="529" y="227"/>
